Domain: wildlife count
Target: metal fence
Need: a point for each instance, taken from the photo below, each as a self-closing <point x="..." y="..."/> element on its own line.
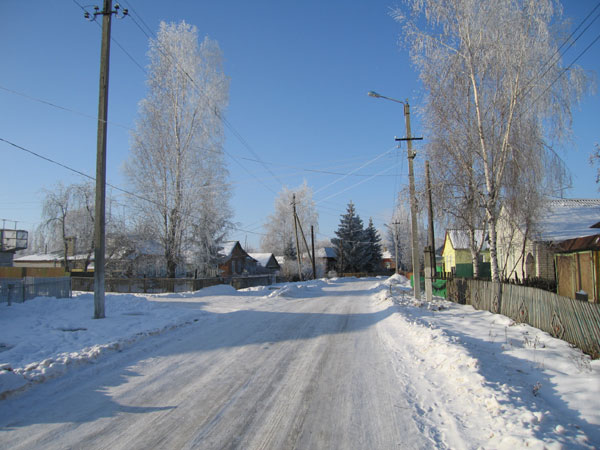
<point x="574" y="321"/>
<point x="18" y="290"/>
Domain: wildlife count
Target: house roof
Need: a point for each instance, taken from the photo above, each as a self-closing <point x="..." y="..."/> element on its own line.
<point x="387" y="255"/>
<point x="569" y="219"/>
<point x="42" y="257"/>
<point x="326" y="252"/>
<point x="262" y="258"/>
<point x="227" y="249"/>
<point x="460" y="239"/>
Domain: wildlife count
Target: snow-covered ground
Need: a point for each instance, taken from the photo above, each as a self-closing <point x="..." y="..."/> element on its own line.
<point x="464" y="378"/>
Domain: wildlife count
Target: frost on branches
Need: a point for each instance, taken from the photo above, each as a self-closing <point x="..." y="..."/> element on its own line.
<point x="176" y="163"/>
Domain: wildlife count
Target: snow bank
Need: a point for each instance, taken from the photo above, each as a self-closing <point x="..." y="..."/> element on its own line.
<point x="516" y="378"/>
<point x="43" y="337"/>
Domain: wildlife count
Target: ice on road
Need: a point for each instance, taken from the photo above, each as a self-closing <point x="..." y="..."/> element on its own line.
<point x="309" y="366"/>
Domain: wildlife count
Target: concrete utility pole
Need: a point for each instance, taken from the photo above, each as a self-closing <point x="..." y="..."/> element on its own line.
<point x="413" y="204"/>
<point x="100" y="208"/>
<point x="411" y="185"/>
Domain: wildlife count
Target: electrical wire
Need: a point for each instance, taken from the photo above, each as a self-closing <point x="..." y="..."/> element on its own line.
<point x="117" y="188"/>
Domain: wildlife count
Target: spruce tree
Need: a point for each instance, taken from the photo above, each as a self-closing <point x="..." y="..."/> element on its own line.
<point x="351" y="250"/>
<point x="372" y="242"/>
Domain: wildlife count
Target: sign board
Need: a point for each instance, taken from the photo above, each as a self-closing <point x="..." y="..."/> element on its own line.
<point x="13" y="240"/>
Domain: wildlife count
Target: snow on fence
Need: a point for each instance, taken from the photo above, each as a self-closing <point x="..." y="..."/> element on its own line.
<point x="17" y="290"/>
<point x="574" y="321"/>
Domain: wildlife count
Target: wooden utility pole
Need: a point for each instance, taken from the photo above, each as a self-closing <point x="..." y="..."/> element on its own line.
<point x="396" y="239"/>
<point x="431" y="235"/>
<point x="298" y="257"/>
<point x="312" y="240"/>
<point x="100" y="204"/>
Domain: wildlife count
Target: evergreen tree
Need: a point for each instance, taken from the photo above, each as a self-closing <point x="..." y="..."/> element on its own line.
<point x="349" y="243"/>
<point x="373" y="245"/>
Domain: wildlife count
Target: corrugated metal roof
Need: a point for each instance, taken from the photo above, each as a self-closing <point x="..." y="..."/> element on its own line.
<point x="568" y="219"/>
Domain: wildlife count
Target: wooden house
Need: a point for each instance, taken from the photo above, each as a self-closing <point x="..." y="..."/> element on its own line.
<point x="265" y="262"/>
<point x="456" y="253"/>
<point x="534" y="256"/>
<point x="234" y="261"/>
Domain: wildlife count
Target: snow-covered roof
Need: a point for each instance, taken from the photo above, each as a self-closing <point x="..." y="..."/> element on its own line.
<point x="568" y="219"/>
<point x="387" y="255"/>
<point x="262" y="258"/>
<point x="227" y="248"/>
<point x="326" y="252"/>
<point x="40" y="257"/>
<point x="460" y="239"/>
<point x="280" y="260"/>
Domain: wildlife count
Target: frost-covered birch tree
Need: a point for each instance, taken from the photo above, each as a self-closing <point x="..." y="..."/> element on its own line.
<point x="279" y="237"/>
<point x="492" y="72"/>
<point x="176" y="164"/>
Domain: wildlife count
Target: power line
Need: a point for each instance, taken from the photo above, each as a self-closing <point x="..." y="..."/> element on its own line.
<point x="215" y="111"/>
<point x="45" y="102"/>
<point x="356" y="170"/>
<point x="115" y="41"/>
<point x="566" y="69"/>
<point x="124" y="191"/>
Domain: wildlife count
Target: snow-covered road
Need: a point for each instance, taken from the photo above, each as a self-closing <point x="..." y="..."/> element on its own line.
<point x="328" y="365"/>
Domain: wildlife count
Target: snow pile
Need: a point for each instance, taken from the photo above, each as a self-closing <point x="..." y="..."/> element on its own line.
<point x="298" y="290"/>
<point x="43" y="337"/>
<point x="514" y="377"/>
<point x="396" y="279"/>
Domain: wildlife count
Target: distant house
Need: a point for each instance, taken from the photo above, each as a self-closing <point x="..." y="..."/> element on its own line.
<point x="388" y="261"/>
<point x="234" y="261"/>
<point x="456" y="253"/>
<point x="266" y="262"/>
<point x="328" y="257"/>
<point x="77" y="263"/>
<point x="560" y="221"/>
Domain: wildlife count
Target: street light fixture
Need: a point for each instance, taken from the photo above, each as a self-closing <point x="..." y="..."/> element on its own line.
<point x="413" y="202"/>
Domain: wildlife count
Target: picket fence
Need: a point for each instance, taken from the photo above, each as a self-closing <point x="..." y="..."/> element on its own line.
<point x="574" y="321"/>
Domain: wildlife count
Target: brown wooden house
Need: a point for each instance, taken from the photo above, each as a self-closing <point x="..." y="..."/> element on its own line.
<point x="234" y="261"/>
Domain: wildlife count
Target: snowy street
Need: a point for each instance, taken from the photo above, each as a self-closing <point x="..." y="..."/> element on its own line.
<point x="350" y="364"/>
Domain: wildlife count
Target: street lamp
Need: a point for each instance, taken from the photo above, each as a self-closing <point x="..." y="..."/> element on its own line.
<point x="411" y="186"/>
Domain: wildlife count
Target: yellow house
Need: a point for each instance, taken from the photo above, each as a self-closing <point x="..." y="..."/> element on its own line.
<point x="456" y="252"/>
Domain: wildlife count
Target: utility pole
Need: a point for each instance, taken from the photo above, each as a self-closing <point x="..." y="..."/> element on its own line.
<point x="312" y="240"/>
<point x="100" y="206"/>
<point x="431" y="237"/>
<point x="413" y="200"/>
<point x="298" y="257"/>
<point x="395" y="231"/>
<point x="413" y="204"/>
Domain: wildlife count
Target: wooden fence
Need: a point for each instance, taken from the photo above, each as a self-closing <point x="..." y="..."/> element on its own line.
<point x="161" y="285"/>
<point x="574" y="321"/>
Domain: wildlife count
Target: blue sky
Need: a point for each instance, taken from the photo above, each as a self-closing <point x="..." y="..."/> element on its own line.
<point x="300" y="73"/>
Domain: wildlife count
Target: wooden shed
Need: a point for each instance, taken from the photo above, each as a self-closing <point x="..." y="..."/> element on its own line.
<point x="578" y="268"/>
